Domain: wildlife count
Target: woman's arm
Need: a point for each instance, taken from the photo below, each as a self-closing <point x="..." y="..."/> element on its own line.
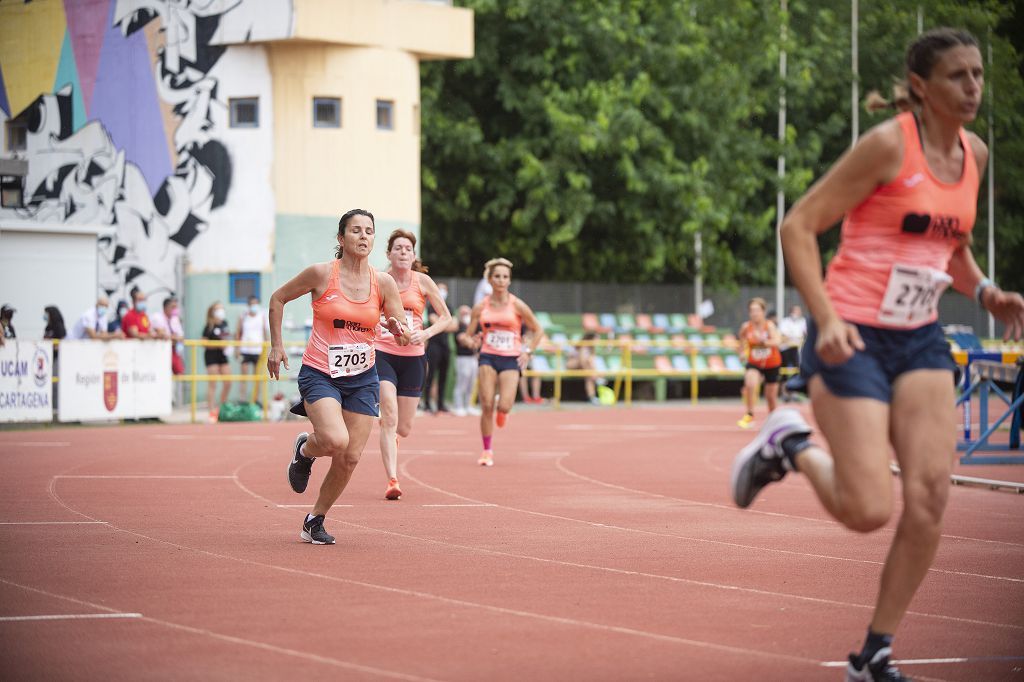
<point x="443" y="320"/>
<point x="303" y="283"/>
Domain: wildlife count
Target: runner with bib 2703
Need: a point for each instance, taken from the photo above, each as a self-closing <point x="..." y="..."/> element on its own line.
<point x="338" y="379"/>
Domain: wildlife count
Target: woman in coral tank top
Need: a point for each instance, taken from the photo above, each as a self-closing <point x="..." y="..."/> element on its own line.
<point x="495" y="324"/>
<point x="880" y="371"/>
<point x="338" y="380"/>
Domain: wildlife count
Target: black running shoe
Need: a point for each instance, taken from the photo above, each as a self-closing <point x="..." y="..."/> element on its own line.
<point x="875" y="670"/>
<point x="313" y="531"/>
<point x="763" y="461"/>
<point x="300" y="466"/>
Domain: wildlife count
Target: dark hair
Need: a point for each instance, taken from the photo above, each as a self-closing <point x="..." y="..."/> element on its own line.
<point x="343" y="224"/>
<point x="170" y="299"/>
<point x="54" y="323"/>
<point x="417" y="264"/>
<point x="924" y="52"/>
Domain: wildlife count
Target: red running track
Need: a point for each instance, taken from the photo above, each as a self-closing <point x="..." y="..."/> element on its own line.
<point x="601" y="546"/>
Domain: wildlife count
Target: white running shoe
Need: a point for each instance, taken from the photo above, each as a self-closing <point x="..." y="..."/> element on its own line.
<point x="763" y="461"/>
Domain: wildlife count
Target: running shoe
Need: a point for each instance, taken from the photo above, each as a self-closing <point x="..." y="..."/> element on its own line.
<point x="763" y="461"/>
<point x="877" y="669"/>
<point x="500" y="418"/>
<point x="746" y="421"/>
<point x="313" y="531"/>
<point x="486" y="459"/>
<point x="393" y="492"/>
<point x="300" y="466"/>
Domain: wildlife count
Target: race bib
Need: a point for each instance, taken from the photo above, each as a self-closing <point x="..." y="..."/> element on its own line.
<point x="912" y="295"/>
<point x="384" y="332"/>
<point x="760" y="353"/>
<point x="349" y="359"/>
<point x="501" y="340"/>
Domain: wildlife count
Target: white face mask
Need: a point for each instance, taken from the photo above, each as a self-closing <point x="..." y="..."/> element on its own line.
<point x="465" y="319"/>
<point x="219" y="314"/>
<point x="444" y="294"/>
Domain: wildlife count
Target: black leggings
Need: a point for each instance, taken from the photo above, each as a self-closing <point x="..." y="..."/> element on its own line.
<point x="437" y="366"/>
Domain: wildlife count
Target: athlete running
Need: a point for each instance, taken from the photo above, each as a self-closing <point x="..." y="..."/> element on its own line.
<point x="881" y="375"/>
<point x="348" y="296"/>
<point x="495" y="325"/>
<point x="760" y="339"/>
<point x="402" y="368"/>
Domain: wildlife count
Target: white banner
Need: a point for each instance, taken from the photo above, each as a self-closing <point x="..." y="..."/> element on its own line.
<point x="114" y="380"/>
<point x="26" y="381"/>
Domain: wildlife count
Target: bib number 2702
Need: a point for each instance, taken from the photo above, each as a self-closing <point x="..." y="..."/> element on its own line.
<point x="349" y="359"/>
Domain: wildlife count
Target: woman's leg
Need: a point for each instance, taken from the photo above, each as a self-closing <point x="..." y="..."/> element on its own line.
<point x="443" y="362"/>
<point x="771" y="395"/>
<point x="923" y="434"/>
<point x="751" y="385"/>
<point x="389" y="428"/>
<point x="211" y="387"/>
<point x="487" y="381"/>
<point x="356" y="429"/>
<point x="507" y="382"/>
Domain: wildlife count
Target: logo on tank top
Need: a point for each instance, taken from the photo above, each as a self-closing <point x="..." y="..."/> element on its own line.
<point x="913" y="180"/>
<point x="351" y="326"/>
<point x="941" y="226"/>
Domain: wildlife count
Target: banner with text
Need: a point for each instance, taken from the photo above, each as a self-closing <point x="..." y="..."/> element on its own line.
<point x="114" y="380"/>
<point x="26" y="381"/>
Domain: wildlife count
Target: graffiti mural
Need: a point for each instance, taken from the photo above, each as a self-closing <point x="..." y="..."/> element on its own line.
<point x="148" y="153"/>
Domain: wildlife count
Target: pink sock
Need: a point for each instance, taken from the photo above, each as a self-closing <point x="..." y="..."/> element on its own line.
<point x="487" y="442"/>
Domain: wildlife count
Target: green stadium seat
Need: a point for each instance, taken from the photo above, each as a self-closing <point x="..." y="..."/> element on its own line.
<point x="548" y="324"/>
<point x="678" y="321"/>
<point x="626" y="323"/>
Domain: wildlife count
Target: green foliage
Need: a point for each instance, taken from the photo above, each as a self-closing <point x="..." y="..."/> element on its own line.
<point x="592" y="140"/>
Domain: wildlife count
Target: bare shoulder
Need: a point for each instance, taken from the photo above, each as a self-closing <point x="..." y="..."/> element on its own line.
<point x="980" y="150"/>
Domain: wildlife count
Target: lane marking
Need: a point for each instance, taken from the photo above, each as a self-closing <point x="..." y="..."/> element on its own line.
<point x="134" y="476"/>
<point x="42" y="443"/>
<point x="236" y="640"/>
<point x="173" y="436"/>
<point x="542" y="453"/>
<point x="68" y="616"/>
<point x="457" y="505"/>
<point x="307" y="506"/>
<point x="51" y="523"/>
<point x="688" y="428"/>
<point x="250" y="438"/>
<point x="935" y="661"/>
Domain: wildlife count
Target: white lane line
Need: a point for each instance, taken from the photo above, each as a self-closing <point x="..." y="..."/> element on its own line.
<point x="542" y="453"/>
<point x="173" y="436"/>
<point x="238" y="640"/>
<point x="249" y="438"/>
<point x="935" y="661"/>
<point x="51" y="523"/>
<point x="687" y="428"/>
<point x="306" y="506"/>
<point x="457" y="505"/>
<point x="133" y="476"/>
<point x="68" y="616"/>
<point x="42" y="443"/>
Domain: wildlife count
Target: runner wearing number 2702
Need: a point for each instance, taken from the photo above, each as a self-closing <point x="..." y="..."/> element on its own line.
<point x="879" y="370"/>
<point x="338" y="379"/>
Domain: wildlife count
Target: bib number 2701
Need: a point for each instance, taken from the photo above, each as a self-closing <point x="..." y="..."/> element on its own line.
<point x="349" y="359"/>
<point x="912" y="295"/>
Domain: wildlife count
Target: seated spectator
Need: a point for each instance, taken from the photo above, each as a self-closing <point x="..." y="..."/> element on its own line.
<point x="54" y="323"/>
<point x="166" y="324"/>
<point x="136" y="324"/>
<point x="6" y="315"/>
<point x="529" y="390"/>
<point x="114" y="325"/>
<point x="93" y="323"/>
<point x="582" y="357"/>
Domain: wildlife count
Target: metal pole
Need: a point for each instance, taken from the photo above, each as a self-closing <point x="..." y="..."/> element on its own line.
<point x="780" y="197"/>
<point x="854" y="82"/>
<point x="698" y="280"/>
<point x="991" y="193"/>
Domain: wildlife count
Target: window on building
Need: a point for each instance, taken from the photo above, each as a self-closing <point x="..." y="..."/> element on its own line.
<point x="16" y="134"/>
<point x="12" y="193"/>
<point x="245" y="112"/>
<point x="326" y="112"/>
<point x="385" y="114"/>
<point x="242" y="285"/>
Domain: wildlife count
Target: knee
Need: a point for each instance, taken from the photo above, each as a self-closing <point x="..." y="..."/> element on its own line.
<point x="924" y="503"/>
<point x="867" y="515"/>
<point x="487" y="404"/>
<point x="404" y="430"/>
<point x="333" y="444"/>
<point x="505" y="404"/>
<point x="388" y="419"/>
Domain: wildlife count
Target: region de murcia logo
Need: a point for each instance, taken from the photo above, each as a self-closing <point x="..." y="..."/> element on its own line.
<point x="40" y="368"/>
<point x="110" y="380"/>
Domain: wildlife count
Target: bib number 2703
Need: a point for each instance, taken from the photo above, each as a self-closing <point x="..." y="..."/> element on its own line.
<point x="349" y="359"/>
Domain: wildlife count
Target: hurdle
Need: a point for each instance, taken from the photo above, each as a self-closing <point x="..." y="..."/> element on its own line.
<point x="983" y="370"/>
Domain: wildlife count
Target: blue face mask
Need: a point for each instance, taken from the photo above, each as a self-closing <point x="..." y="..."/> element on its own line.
<point x="254" y="308"/>
<point x="101" y="312"/>
<point x="141" y="306"/>
<point x="46" y="319"/>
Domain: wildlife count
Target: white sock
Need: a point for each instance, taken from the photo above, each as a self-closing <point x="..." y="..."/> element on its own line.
<point x="309" y="517"/>
<point x="302" y="450"/>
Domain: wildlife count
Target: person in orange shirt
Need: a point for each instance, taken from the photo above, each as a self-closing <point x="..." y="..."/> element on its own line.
<point x="760" y="339"/>
<point x="495" y="325"/>
<point x="338" y="380"/>
<point x="879" y="368"/>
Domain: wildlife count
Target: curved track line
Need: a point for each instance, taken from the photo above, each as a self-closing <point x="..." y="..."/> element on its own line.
<point x="409" y="476"/>
<point x="437" y="598"/>
<point x="234" y="640"/>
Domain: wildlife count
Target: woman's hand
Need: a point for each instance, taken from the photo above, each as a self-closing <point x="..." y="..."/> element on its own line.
<point x="417" y="337"/>
<point x="524" y="359"/>
<point x="837" y="341"/>
<point x="1008" y="308"/>
<point x="399" y="331"/>
<point x="274" y="359"/>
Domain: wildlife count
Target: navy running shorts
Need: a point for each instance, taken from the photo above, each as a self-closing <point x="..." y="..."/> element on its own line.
<point x="359" y="393"/>
<point x="888" y="353"/>
<point x="500" y="363"/>
<point x="406" y="372"/>
<point x="771" y="375"/>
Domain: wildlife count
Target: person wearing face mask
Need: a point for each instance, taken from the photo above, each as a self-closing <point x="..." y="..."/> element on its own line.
<point x="253" y="329"/>
<point x="6" y="315"/>
<point x="216" y="329"/>
<point x="54" y="323"/>
<point x="465" y="364"/>
<point x="136" y="324"/>
<point x="166" y="324"/>
<point x="438" y="358"/>
<point x="114" y="325"/>
<point x="93" y="323"/>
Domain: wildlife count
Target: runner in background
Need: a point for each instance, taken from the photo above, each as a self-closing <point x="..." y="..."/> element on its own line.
<point x="793" y="329"/>
<point x="760" y="340"/>
<point x="495" y="325"/>
<point x="338" y="379"/>
<point x="402" y="368"/>
<point x="879" y="367"/>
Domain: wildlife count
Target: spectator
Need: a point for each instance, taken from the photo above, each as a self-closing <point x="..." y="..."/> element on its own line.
<point x="793" y="328"/>
<point x="465" y="364"/>
<point x="529" y="389"/>
<point x="93" y="323"/>
<point x="6" y="314"/>
<point x="439" y="353"/>
<point x="216" y="358"/>
<point x="54" y="323"/>
<point x="114" y="326"/>
<point x="136" y="324"/>
<point x="166" y="324"/>
<point x="483" y="289"/>
<point x="253" y="330"/>
<point x="582" y="357"/>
